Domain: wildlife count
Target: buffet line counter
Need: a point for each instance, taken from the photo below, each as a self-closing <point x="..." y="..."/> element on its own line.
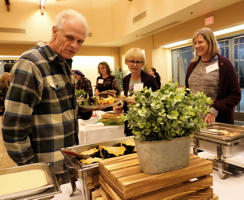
<point x="231" y="188"/>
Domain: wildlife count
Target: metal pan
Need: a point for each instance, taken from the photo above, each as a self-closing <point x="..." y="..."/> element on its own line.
<point x="221" y="126"/>
<point x="35" y="191"/>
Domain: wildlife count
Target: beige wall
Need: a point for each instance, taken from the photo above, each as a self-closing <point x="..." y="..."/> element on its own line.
<point x="223" y="18"/>
<point x="160" y="58"/>
<point x="156" y="57"/>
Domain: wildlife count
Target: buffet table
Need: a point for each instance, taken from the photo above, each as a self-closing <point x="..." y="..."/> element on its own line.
<point x="231" y="188"/>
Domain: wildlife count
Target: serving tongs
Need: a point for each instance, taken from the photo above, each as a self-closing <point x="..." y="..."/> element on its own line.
<point x="72" y="153"/>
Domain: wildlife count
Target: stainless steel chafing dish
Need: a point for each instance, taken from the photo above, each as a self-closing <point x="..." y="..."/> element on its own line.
<point x="50" y="189"/>
<point x="224" y="147"/>
<point x="81" y="171"/>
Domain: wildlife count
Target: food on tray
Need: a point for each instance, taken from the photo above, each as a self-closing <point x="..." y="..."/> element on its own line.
<point x="80" y="93"/>
<point x="96" y="101"/>
<point x="225" y="133"/>
<point x="94" y="152"/>
<point x="90" y="160"/>
<point x="129" y="145"/>
<point x="103" y="152"/>
<point x="109" y="152"/>
<point x="228" y="134"/>
<point x="21" y="181"/>
<point x="112" y="119"/>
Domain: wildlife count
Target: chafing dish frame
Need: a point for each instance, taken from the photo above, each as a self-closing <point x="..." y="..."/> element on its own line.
<point x="223" y="149"/>
<point x="81" y="171"/>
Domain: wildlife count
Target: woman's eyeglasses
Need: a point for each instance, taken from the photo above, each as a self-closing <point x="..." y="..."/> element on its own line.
<point x="132" y="62"/>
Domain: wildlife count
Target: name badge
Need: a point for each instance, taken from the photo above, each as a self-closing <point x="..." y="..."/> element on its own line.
<point x="212" y="67"/>
<point x="100" y="81"/>
<point x="138" y="86"/>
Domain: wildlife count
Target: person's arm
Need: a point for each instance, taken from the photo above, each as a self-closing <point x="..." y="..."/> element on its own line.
<point x="96" y="92"/>
<point x="24" y="93"/>
<point x="229" y="89"/>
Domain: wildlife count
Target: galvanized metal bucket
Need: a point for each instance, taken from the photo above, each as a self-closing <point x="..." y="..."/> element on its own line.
<point x="162" y="156"/>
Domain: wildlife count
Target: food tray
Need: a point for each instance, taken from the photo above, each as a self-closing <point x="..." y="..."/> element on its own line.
<point x="35" y="191"/>
<point x="228" y="148"/>
<point x="222" y="126"/>
<point x="79" y="148"/>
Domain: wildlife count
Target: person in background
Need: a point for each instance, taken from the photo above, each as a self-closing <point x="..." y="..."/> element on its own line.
<point x="4" y="86"/>
<point x="41" y="111"/>
<point x="136" y="80"/>
<point x="106" y="81"/>
<point x="156" y="75"/>
<point x="83" y="82"/>
<point x="215" y="76"/>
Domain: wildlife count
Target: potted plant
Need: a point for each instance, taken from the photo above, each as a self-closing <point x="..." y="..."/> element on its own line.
<point x="119" y="75"/>
<point x="168" y="116"/>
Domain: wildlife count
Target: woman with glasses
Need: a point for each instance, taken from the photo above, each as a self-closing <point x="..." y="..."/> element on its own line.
<point x="106" y="83"/>
<point x="136" y="80"/>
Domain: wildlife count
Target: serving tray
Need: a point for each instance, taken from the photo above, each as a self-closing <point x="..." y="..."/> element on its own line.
<point x="35" y="191"/>
<point x="221" y="126"/>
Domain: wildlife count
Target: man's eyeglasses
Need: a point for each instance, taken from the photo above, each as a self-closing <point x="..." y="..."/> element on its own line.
<point x="135" y="62"/>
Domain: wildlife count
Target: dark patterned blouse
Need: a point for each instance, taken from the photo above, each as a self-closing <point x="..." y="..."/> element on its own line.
<point x="109" y="83"/>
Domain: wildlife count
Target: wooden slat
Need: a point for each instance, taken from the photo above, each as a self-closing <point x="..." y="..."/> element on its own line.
<point x="108" y="192"/>
<point x="96" y="194"/>
<point x="194" y="190"/>
<point x="180" y="191"/>
<point x="215" y="197"/>
<point x="126" y="179"/>
<point x="206" y="194"/>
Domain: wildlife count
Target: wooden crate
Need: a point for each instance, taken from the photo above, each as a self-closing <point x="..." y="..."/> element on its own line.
<point x="120" y="179"/>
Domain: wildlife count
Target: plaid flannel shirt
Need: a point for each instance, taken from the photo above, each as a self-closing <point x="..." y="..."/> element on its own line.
<point x="41" y="115"/>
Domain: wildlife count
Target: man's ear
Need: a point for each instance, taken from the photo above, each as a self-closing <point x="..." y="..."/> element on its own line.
<point x="54" y="31"/>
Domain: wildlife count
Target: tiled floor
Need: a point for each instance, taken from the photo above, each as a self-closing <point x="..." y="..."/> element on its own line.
<point x="5" y="160"/>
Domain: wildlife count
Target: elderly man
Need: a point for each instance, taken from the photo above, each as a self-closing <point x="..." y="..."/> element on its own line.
<point x="41" y="115"/>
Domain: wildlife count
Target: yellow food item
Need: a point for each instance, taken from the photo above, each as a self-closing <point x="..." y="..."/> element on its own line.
<point x="226" y="133"/>
<point x="90" y="160"/>
<point x="106" y="151"/>
<point x="21" y="181"/>
<point x="130" y="142"/>
<point x="90" y="152"/>
<point x="108" y="100"/>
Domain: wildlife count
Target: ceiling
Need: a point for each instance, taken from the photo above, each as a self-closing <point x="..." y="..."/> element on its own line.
<point x="201" y="7"/>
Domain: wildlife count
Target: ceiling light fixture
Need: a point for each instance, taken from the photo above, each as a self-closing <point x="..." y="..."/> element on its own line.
<point x="216" y="33"/>
<point x="42" y="6"/>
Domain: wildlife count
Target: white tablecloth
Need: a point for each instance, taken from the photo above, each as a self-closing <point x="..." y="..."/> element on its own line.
<point x="99" y="134"/>
<point x="231" y="188"/>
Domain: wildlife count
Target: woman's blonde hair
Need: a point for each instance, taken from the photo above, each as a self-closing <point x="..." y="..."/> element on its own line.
<point x="4" y="79"/>
<point x="208" y="35"/>
<point x="135" y="54"/>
